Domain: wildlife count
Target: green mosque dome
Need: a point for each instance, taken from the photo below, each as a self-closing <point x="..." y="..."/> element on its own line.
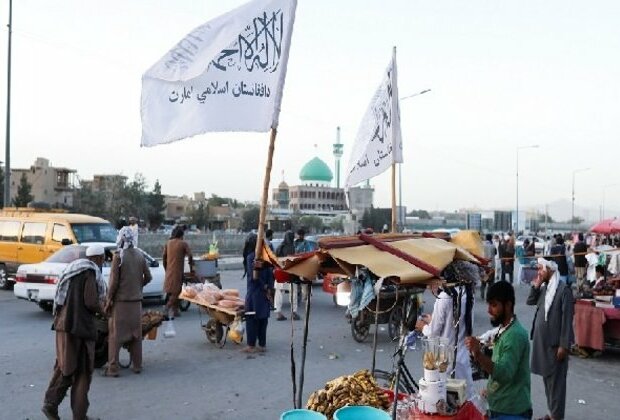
<point x="316" y="170"/>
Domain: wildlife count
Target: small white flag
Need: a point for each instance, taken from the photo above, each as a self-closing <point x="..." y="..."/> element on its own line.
<point x="225" y="75"/>
<point x="378" y="143"/>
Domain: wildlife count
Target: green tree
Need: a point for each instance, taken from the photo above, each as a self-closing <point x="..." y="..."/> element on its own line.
<point x="23" y="192"/>
<point x="89" y="202"/>
<point x="576" y="220"/>
<point x="136" y="197"/>
<point x="313" y="223"/>
<point x="200" y="216"/>
<point x="337" y="224"/>
<point x="217" y="201"/>
<point x="250" y="218"/>
<point x="422" y="214"/>
<point x="376" y="218"/>
<point x="156" y="206"/>
<point x="542" y="219"/>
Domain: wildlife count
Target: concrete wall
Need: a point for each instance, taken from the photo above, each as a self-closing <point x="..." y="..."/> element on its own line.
<point x="228" y="243"/>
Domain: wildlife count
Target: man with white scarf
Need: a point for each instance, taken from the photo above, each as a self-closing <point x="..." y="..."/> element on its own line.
<point x="78" y="298"/>
<point x="552" y="331"/>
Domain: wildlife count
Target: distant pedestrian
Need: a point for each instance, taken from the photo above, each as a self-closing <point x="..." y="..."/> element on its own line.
<point x="128" y="275"/>
<point x="489" y="253"/>
<point x="135" y="228"/>
<point x="507" y="256"/>
<point x="79" y="296"/>
<point x="175" y="251"/>
<point x="286" y="248"/>
<point x="581" y="263"/>
<point x="558" y="253"/>
<point x="552" y="330"/>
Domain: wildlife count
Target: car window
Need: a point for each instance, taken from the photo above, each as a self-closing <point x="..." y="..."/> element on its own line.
<point x="60" y="232"/>
<point x="33" y="232"/>
<point x="94" y="232"/>
<point x="9" y="231"/>
<point x="68" y="254"/>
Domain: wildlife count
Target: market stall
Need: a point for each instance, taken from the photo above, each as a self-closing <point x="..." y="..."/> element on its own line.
<point x="403" y="261"/>
<point x="596" y="327"/>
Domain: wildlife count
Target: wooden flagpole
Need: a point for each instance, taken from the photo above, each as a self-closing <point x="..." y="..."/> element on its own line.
<point x="393" y="197"/>
<point x="263" y="203"/>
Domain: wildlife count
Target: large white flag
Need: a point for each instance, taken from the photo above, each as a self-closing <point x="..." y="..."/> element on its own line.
<point x="378" y="143"/>
<point x="225" y="75"/>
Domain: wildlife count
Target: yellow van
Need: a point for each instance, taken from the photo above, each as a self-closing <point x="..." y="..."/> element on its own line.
<point x="30" y="236"/>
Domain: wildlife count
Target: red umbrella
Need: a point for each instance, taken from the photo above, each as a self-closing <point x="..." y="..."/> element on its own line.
<point x="606" y="227"/>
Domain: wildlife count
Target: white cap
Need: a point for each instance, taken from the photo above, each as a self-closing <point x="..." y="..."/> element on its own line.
<point x="95" y="250"/>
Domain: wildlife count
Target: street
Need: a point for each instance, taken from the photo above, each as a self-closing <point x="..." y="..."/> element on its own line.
<point x="188" y="377"/>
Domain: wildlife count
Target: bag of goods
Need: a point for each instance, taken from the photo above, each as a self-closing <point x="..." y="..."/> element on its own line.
<point x="230" y="303"/>
<point x="235" y="333"/>
<point x="357" y="389"/>
<point x="210" y="296"/>
<point x="230" y="293"/>
<point x="188" y="292"/>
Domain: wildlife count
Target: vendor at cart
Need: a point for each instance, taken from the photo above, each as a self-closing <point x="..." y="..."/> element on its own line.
<point x="257" y="299"/>
<point x="441" y="322"/>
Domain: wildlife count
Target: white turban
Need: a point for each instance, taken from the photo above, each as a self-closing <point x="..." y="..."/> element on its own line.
<point x="552" y="286"/>
<point x="124" y="240"/>
<point x="548" y="264"/>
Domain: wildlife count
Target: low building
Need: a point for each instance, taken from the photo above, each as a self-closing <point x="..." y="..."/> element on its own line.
<point x="49" y="184"/>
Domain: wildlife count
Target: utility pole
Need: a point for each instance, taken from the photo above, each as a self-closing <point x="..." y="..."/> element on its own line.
<point x="7" y="156"/>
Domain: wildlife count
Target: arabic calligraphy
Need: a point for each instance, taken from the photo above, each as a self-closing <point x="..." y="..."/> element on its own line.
<point x="258" y="47"/>
<point x="377" y="132"/>
<point x="182" y="55"/>
<point x="260" y="90"/>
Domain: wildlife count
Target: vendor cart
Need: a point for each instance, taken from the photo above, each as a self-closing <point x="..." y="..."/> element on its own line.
<point x="220" y="320"/>
<point x="391" y="311"/>
<point x="151" y="320"/>
<point x="199" y="276"/>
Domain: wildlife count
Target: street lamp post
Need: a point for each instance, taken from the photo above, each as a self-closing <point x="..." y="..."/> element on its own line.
<point x="533" y="146"/>
<point x="572" y="213"/>
<point x="400" y="179"/>
<point x="603" y="200"/>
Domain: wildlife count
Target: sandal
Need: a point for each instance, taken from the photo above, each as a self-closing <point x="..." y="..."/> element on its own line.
<point x="109" y="374"/>
<point x="248" y="349"/>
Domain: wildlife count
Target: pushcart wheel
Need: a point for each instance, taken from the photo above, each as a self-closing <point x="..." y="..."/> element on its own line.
<point x="359" y="329"/>
<point x="184" y="305"/>
<point x="396" y="318"/>
<point x="214" y="331"/>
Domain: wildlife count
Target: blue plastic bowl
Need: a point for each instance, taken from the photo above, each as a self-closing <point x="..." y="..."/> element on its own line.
<point x="358" y="412"/>
<point x="302" y="414"/>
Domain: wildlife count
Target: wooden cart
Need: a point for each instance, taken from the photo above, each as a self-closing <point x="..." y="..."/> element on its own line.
<point x="221" y="319"/>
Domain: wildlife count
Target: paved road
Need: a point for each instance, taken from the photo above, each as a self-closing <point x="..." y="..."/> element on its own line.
<point x="187" y="377"/>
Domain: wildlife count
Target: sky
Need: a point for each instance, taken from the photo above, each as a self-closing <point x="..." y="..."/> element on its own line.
<point x="502" y="74"/>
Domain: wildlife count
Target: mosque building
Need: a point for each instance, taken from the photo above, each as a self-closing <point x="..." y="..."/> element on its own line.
<point x="316" y="196"/>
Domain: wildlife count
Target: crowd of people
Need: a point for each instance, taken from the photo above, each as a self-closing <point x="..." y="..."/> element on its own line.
<point x="82" y="295"/>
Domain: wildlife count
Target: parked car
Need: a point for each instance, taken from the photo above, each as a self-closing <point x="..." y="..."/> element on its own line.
<point x="539" y="243"/>
<point x="37" y="282"/>
<point x="28" y="236"/>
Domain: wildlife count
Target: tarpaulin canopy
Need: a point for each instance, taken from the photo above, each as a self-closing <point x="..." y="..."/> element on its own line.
<point x="411" y="260"/>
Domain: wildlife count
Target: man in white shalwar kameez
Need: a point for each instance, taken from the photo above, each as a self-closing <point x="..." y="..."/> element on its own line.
<point x="441" y="324"/>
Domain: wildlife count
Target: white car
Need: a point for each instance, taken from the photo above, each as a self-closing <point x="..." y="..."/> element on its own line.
<point x="37" y="282"/>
